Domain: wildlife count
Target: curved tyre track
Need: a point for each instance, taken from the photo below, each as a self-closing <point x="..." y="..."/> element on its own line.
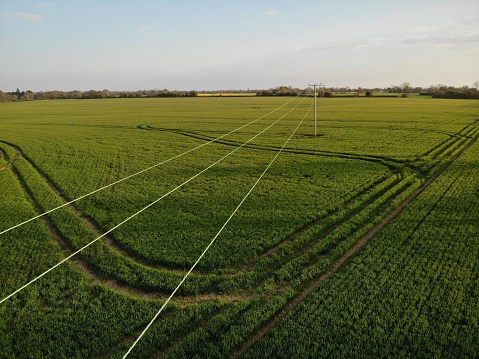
<point x="88" y="270"/>
<point x="67" y="250"/>
<point x="110" y="283"/>
<point x="351" y="252"/>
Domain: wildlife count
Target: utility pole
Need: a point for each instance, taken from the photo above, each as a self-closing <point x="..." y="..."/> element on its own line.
<point x="314" y="86"/>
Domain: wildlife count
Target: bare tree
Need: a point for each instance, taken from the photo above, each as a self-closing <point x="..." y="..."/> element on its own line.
<point x="406" y="87"/>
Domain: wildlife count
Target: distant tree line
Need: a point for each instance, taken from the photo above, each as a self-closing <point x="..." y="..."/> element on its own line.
<point x="403" y="90"/>
<point x="91" y="94"/>
<point x="280" y="91"/>
<point x="465" y="92"/>
<point x="438" y="91"/>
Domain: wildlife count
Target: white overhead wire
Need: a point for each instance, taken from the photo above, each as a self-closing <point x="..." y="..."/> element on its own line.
<point x="214" y="238"/>
<point x="142" y="171"/>
<point x="146" y="207"/>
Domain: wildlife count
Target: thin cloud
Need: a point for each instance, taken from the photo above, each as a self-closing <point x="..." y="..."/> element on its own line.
<point x="373" y="42"/>
<point x="463" y="32"/>
<point x="451" y="35"/>
<point x="370" y="43"/>
<point x="22" y="16"/>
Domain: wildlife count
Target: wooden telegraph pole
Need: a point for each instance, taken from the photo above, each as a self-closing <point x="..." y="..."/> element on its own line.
<point x="314" y="87"/>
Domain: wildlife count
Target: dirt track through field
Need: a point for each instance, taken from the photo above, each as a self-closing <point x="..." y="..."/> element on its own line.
<point x="84" y="267"/>
<point x="351" y="252"/>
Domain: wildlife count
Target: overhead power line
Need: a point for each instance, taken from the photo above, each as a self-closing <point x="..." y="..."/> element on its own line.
<point x="214" y="239"/>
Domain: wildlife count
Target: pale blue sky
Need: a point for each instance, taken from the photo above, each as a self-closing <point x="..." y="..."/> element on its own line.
<point x="212" y="44"/>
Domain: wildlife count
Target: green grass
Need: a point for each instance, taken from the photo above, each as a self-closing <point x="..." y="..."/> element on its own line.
<point x="317" y="200"/>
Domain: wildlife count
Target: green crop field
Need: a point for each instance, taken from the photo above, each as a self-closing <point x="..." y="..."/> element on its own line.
<point x="360" y="242"/>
